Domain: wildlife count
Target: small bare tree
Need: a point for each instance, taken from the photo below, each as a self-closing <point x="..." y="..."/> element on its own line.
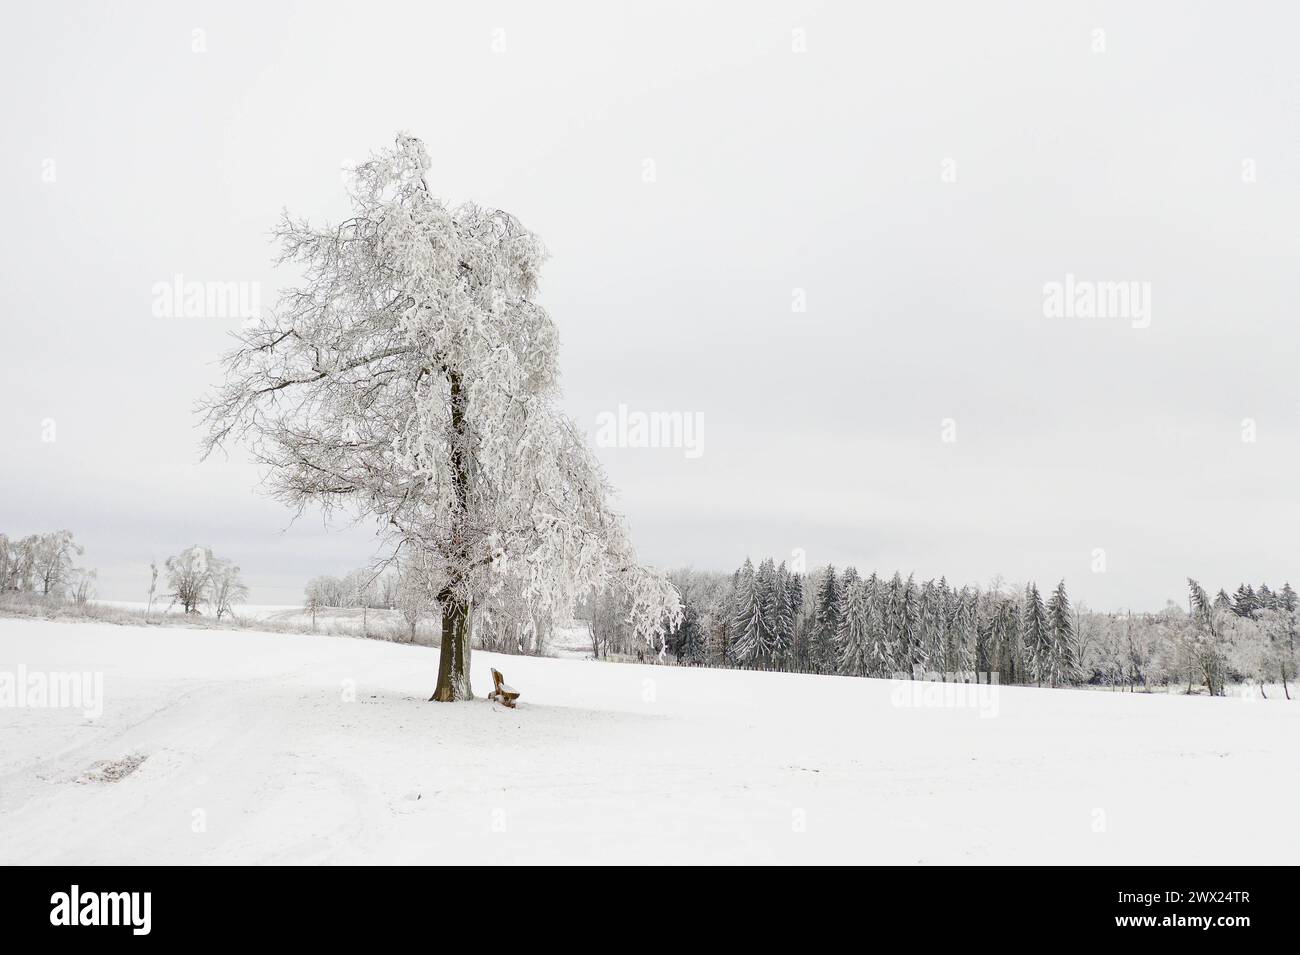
<point x="83" y="585"/>
<point x="313" y="599"/>
<point x="153" y="586"/>
<point x="189" y="576"/>
<point x="225" y="587"/>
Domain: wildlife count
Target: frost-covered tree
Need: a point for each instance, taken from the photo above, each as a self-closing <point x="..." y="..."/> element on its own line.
<point x="1249" y="648"/>
<point x="418" y="586"/>
<point x="881" y="654"/>
<point x="703" y="594"/>
<point x="82" y="585"/>
<point x="189" y="576"/>
<point x="53" y="562"/>
<point x="508" y="622"/>
<point x="43" y="564"/>
<point x="909" y="626"/>
<point x="826" y="621"/>
<point x="963" y="632"/>
<point x="1286" y="598"/>
<point x="153" y="586"/>
<point x="1016" y="667"/>
<point x="1288" y="610"/>
<point x="930" y="630"/>
<point x="1271" y="654"/>
<point x="942" y="631"/>
<point x="781" y="609"/>
<point x="225" y="587"/>
<point x="313" y="598"/>
<point x="361" y="590"/>
<point x="7" y="566"/>
<point x="1062" y="661"/>
<point x="893" y="620"/>
<point x="855" y="630"/>
<point x="1207" y="637"/>
<point x="17" y="562"/>
<point x="1265" y="598"/>
<point x="412" y="379"/>
<point x="798" y="625"/>
<point x="751" y="633"/>
<point x="723" y="626"/>
<point x="1245" y="601"/>
<point x="1037" y="636"/>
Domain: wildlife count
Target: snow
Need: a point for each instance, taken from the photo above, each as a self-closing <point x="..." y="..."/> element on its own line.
<point x="375" y="621"/>
<point x="571" y="642"/>
<point x="243" y="747"/>
<point x="243" y="611"/>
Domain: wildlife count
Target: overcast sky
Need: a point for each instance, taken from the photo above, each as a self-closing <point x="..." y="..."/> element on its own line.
<point x="919" y="171"/>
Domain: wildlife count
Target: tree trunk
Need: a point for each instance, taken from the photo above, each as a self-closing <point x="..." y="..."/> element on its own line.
<point x="457" y="625"/>
<point x="453" y="657"/>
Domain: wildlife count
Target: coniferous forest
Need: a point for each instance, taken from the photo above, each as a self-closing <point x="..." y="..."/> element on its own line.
<point x="839" y="621"/>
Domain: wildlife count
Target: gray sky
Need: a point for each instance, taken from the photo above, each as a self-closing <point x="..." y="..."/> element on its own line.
<point x="826" y="170"/>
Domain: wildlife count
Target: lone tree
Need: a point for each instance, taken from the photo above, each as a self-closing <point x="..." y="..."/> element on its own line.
<point x="412" y="379"/>
<point x="189" y="574"/>
<point x="225" y="587"/>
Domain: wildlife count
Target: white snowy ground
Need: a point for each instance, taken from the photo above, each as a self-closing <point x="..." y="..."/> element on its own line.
<point x="253" y="753"/>
<point x="572" y="642"/>
<point x="328" y="619"/>
<point x="245" y="611"/>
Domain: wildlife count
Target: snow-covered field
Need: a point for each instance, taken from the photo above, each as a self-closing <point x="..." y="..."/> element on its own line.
<point x="244" y="611"/>
<point x="372" y="622"/>
<point x="572" y="642"/>
<point x="235" y="746"/>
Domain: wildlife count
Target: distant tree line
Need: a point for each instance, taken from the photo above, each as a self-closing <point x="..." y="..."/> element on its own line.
<point x="1210" y="643"/>
<point x="359" y="588"/>
<point x="505" y="622"/>
<point x="841" y="622"/>
<point x="45" y="564"/>
<point x="363" y="589"/>
<point x="844" y="623"/>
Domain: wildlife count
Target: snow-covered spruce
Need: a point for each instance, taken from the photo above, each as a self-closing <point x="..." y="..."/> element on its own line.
<point x="412" y="379"/>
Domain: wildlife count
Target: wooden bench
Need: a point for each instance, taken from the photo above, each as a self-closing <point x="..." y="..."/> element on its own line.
<point x="502" y="692"/>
